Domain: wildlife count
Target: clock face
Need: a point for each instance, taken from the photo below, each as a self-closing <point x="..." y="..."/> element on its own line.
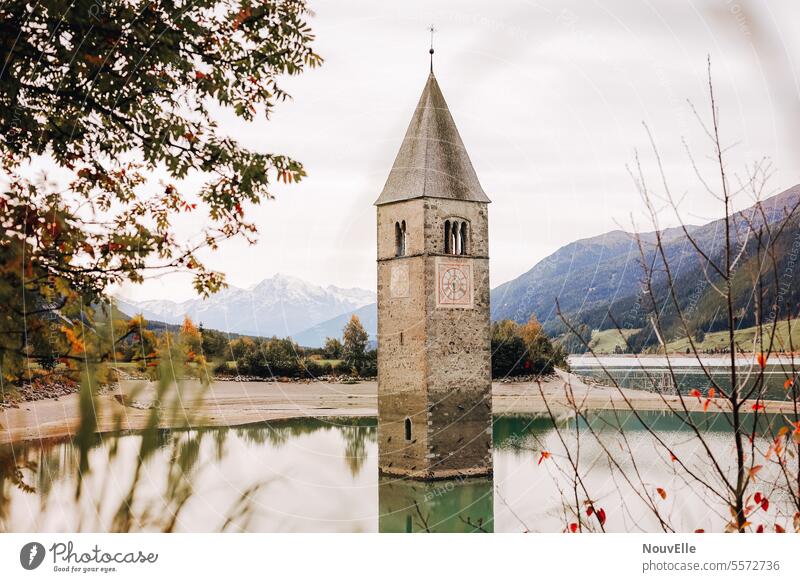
<point x="454" y="284"/>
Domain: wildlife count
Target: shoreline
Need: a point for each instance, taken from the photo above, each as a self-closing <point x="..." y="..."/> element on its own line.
<point x="680" y="360"/>
<point x="234" y="403"/>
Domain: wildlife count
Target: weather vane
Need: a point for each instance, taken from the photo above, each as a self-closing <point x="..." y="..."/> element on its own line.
<point x="432" y="30"/>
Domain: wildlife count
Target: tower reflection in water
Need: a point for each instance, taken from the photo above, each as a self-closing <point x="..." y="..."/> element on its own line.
<point x="454" y="505"/>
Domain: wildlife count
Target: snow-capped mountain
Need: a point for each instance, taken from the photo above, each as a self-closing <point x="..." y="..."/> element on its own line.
<point x="281" y="305"/>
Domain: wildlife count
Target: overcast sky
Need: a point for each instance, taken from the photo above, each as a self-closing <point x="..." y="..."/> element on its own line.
<point x="549" y="98"/>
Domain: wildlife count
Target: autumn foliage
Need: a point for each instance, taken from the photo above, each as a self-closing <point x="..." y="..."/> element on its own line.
<point x="120" y="108"/>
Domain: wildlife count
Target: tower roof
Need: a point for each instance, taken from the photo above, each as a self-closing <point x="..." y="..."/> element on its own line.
<point x="432" y="161"/>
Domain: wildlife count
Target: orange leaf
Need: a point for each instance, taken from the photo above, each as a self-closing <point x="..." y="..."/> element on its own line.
<point x="762" y="360"/>
<point x="661" y="492"/>
<point x="788" y="383"/>
<point x="705" y="404"/>
<point x="755" y="469"/>
<point x="672" y="457"/>
<point x="779" y="529"/>
<point x="545" y="455"/>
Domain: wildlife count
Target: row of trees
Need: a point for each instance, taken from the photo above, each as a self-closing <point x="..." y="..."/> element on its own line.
<point x="516" y="350"/>
<point x="282" y="357"/>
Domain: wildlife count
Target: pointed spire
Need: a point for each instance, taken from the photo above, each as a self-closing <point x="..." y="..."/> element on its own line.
<point x="432" y="161"/>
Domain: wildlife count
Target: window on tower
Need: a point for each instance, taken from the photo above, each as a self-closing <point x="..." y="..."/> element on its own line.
<point x="400" y="238"/>
<point x="408" y="429"/>
<point x="456" y="237"/>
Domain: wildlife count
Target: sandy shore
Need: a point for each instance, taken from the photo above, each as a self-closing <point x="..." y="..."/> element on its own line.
<point x="236" y="403"/>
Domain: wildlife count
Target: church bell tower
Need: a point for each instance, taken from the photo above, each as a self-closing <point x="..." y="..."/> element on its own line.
<point x="434" y="367"/>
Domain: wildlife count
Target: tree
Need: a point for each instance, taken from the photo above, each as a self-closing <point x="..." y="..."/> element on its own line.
<point x="525" y="349"/>
<point x="542" y="355"/>
<point x="215" y="344"/>
<point x="738" y="474"/>
<point x="332" y="349"/>
<point x="112" y="93"/>
<point x="508" y="349"/>
<point x="354" y="349"/>
<point x="699" y="335"/>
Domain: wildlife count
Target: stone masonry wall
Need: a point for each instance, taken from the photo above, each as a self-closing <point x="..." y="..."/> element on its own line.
<point x="433" y="363"/>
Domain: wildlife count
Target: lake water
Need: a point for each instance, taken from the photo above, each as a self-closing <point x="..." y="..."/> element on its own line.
<point x="311" y="475"/>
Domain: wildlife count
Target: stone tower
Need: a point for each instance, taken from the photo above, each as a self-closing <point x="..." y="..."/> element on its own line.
<point x="434" y="369"/>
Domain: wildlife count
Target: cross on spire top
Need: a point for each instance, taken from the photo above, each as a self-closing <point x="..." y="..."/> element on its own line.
<point x="432" y="30"/>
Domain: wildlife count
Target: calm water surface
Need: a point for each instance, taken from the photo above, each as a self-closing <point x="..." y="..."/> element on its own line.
<point x="312" y="475"/>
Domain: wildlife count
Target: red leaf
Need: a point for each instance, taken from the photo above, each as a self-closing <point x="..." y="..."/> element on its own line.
<point x="573" y="527"/>
<point x="758" y="406"/>
<point x="757" y="497"/>
<point x="762" y="360"/>
<point x="760" y="528"/>
<point x="601" y="516"/>
<point x="700" y="531"/>
<point x="661" y="492"/>
<point x="694" y="392"/>
<point x="765" y="504"/>
<point x="779" y="529"/>
<point x="199" y="75"/>
<point x="545" y="455"/>
<point x="672" y="457"/>
<point x="589" y="511"/>
<point x="243" y="15"/>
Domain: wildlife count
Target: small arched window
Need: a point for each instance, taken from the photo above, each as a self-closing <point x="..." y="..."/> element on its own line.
<point x="456" y="237"/>
<point x="400" y="238"/>
<point x="408" y="429"/>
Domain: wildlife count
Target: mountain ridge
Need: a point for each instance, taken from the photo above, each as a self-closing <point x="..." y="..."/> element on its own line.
<point x="281" y="305"/>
